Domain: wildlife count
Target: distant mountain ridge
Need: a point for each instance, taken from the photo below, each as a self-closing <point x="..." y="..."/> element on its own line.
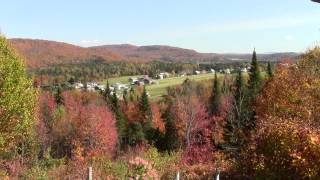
<point x="43" y="53"/>
<point x="158" y="52"/>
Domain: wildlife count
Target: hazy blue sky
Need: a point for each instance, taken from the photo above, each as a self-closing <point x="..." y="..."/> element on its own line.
<point x="203" y="25"/>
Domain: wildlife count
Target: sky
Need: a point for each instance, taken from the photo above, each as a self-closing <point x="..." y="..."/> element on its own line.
<point x="217" y="26"/>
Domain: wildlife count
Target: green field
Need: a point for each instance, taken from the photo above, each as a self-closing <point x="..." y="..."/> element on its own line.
<point x="122" y="79"/>
<point x="157" y="90"/>
<point x="160" y="88"/>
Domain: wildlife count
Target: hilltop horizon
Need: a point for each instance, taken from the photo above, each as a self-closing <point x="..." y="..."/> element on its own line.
<point x="124" y="44"/>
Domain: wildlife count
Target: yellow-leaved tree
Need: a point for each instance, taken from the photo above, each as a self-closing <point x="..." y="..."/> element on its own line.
<point x="17" y="106"/>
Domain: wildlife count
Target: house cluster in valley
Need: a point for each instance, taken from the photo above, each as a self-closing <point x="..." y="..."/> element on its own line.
<point x="146" y="80"/>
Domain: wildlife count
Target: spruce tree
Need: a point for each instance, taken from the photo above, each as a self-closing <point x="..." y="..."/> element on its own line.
<point x="254" y="77"/>
<point x="135" y="133"/>
<point x="215" y="101"/>
<point x="171" y="136"/>
<point x="131" y="96"/>
<point x="121" y="122"/>
<point x="125" y="96"/>
<point x="114" y="101"/>
<point x="237" y="118"/>
<point x="146" y="114"/>
<point x="107" y="92"/>
<point x="58" y="96"/>
<point x="241" y="101"/>
<point x="269" y="70"/>
<point x="255" y="84"/>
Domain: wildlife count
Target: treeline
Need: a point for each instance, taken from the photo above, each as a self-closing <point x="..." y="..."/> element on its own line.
<point x="97" y="70"/>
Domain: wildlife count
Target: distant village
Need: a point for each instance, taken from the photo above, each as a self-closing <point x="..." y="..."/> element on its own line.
<point x="146" y="80"/>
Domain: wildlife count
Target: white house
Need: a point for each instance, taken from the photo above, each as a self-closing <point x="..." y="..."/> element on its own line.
<point x="227" y="71"/>
<point x="119" y="86"/>
<point x="197" y="72"/>
<point x="78" y="85"/>
<point x="245" y="70"/>
<point x="212" y="71"/>
<point x="133" y="79"/>
<point x="160" y="76"/>
<point x="101" y="87"/>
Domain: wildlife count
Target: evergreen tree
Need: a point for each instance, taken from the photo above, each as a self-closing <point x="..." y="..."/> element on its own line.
<point x="215" y="101"/>
<point x="114" y="101"/>
<point x="135" y="133"/>
<point x="226" y="85"/>
<point x="146" y="114"/>
<point x="255" y="84"/>
<point x="241" y="101"/>
<point x="125" y="96"/>
<point x="254" y="77"/>
<point x="131" y="96"/>
<point x="121" y="122"/>
<point x="58" y="96"/>
<point x="170" y="140"/>
<point x="237" y="118"/>
<point x="107" y="92"/>
<point x="269" y="70"/>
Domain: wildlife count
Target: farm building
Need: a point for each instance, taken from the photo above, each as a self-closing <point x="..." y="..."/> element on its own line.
<point x="78" y="85"/>
<point x="163" y="75"/>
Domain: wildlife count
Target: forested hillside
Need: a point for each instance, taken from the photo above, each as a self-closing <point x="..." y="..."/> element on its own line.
<point x="43" y="53"/>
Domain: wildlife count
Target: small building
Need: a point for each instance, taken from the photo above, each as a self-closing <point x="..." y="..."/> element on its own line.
<point x="78" y="85"/>
<point x="119" y="86"/>
<point x="212" y="71"/>
<point x="203" y="72"/>
<point x="227" y="71"/>
<point x="163" y="75"/>
<point x="139" y="83"/>
<point x="133" y="79"/>
<point x="101" y="87"/>
<point x="197" y="72"/>
<point x="160" y="76"/>
<point x="244" y="70"/>
<point x="148" y="81"/>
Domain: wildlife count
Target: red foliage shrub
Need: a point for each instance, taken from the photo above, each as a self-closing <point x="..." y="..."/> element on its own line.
<point x="94" y="130"/>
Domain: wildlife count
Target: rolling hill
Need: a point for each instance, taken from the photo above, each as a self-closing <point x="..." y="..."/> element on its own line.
<point x="43" y="53"/>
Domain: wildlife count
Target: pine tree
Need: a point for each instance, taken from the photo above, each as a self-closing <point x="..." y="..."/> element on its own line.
<point x="237" y="118"/>
<point x="240" y="97"/>
<point x="215" y="101"/>
<point x="58" y="96"/>
<point x="229" y="134"/>
<point x="131" y="96"/>
<point x="255" y="84"/>
<point x="107" y="92"/>
<point x="121" y="122"/>
<point x="135" y="133"/>
<point x="146" y="114"/>
<point x="125" y="96"/>
<point x="269" y="70"/>
<point x="171" y="141"/>
<point x="114" y="101"/>
<point x="254" y="77"/>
